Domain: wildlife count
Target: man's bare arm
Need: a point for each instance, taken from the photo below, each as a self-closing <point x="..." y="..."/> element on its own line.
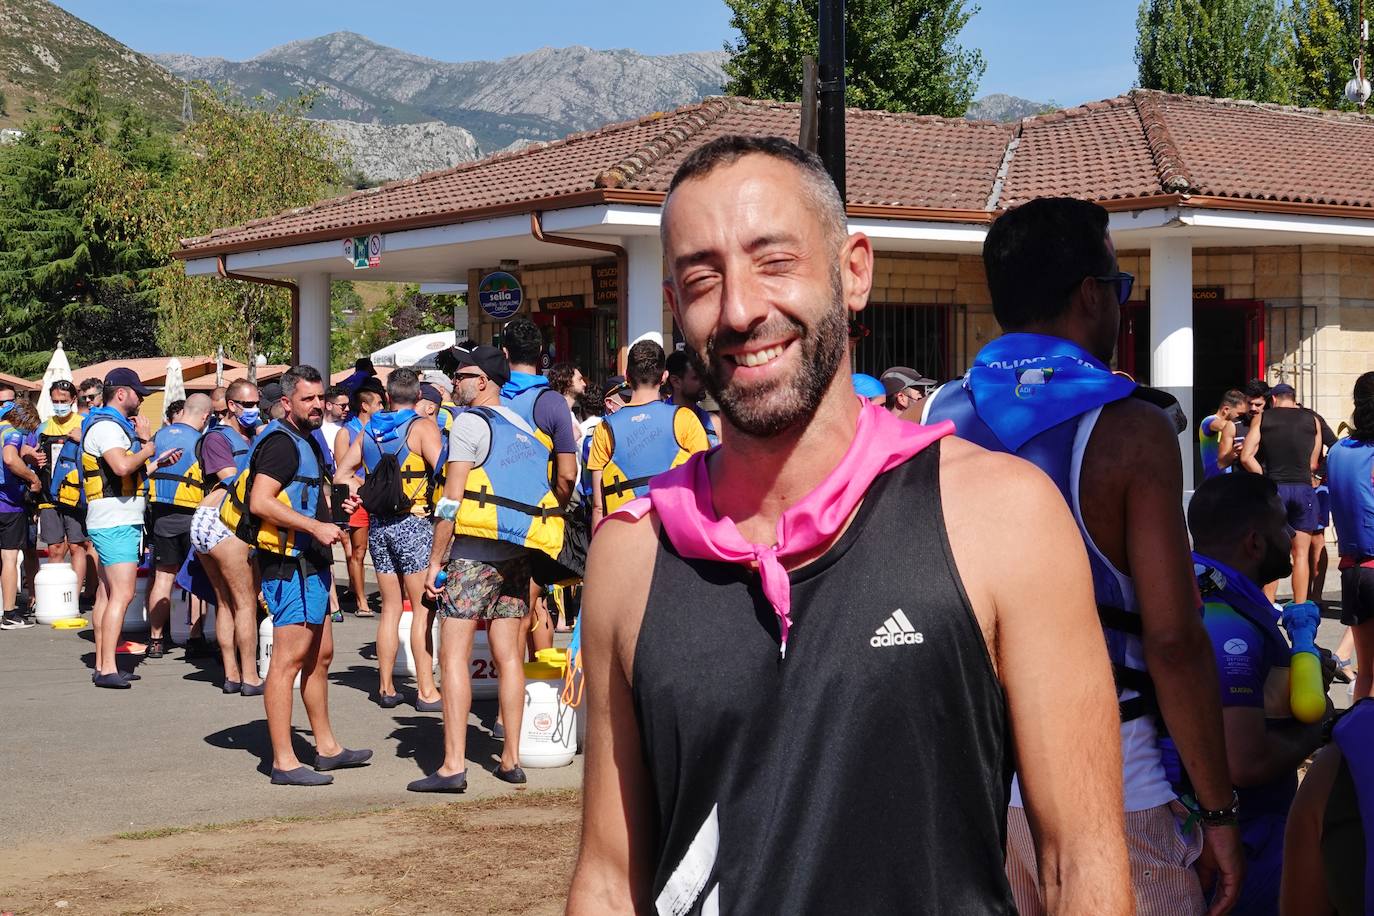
<point x="1250" y="449"/>
<point x="614" y="872"/>
<point x="346" y="466"/>
<point x="1304" y="892"/>
<point x="1066" y="730"/>
<point x="1226" y="448"/>
<point x="565" y="476"/>
<point x="1260" y="750"/>
<point x="1316" y="446"/>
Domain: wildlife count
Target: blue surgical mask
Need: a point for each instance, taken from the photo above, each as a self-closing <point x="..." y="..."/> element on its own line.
<point x="61" y="410"/>
<point x="250" y="417"/>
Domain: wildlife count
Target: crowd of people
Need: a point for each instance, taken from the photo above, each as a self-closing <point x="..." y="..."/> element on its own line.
<point x="851" y="643"/>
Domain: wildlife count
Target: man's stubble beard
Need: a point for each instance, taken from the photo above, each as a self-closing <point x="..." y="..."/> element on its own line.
<point x="822" y="348"/>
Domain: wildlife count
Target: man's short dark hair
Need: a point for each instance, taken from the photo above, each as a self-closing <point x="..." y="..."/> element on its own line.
<point x="561" y="377"/>
<point x="1233" y="398"/>
<point x="645" y="364"/>
<point x="1037" y="254"/>
<point x="729" y="149"/>
<point x="1257" y="388"/>
<point x="334" y="391"/>
<point x="173" y="408"/>
<point x="403" y="387"/>
<point x="678" y="361"/>
<point x="1225" y="507"/>
<point x="90" y="383"/>
<point x="297" y="374"/>
<point x="522" y="341"/>
<point x="62" y="385"/>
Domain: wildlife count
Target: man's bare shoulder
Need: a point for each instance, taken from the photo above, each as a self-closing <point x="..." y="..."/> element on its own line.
<point x="1141" y="434"/>
<point x="977" y="477"/>
<point x="620" y="567"/>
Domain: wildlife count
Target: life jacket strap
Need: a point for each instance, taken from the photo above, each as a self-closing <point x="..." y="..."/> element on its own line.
<point x="485" y="497"/>
<point x="621" y="486"/>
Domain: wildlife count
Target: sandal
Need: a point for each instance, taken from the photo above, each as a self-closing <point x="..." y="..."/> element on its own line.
<point x="364" y="612"/>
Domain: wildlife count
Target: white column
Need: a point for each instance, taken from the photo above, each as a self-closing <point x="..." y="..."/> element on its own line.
<point x="313" y="322"/>
<point x="645" y="289"/>
<point x="1171" y="332"/>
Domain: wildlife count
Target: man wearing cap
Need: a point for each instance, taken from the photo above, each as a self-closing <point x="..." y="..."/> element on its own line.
<point x="115" y="446"/>
<point x="498" y="507"/>
<point x="617" y="393"/>
<point x="906" y="392"/>
<point x="1284" y="444"/>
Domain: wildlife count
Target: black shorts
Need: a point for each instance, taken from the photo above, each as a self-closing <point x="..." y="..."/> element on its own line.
<point x="171" y="530"/>
<point x="1300" y="502"/>
<point x="1357" y="595"/>
<point x="14" y="530"/>
<point x="62" y="524"/>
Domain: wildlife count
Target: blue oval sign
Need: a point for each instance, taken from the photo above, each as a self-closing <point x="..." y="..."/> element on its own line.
<point x="500" y="295"/>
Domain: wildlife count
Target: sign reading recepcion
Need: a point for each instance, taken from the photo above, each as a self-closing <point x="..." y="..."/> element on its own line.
<point x="364" y="251"/>
<point x="562" y="303"/>
<point x="500" y="295"/>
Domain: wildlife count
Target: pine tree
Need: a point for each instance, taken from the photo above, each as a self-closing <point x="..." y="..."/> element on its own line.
<point x="902" y="55"/>
<point x="1223" y="48"/>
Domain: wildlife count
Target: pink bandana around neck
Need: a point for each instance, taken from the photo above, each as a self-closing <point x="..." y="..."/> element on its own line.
<point x="682" y="499"/>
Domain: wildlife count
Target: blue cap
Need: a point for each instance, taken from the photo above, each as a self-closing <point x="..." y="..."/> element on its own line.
<point x="126" y="378"/>
<point x="866" y="386"/>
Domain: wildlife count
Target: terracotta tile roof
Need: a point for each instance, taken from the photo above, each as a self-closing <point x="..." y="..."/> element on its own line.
<point x="1136" y="146"/>
<point x="151" y="370"/>
<point x="206" y="382"/>
<point x="20" y="384"/>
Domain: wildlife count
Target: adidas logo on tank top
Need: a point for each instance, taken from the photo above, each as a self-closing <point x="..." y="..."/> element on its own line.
<point x="896" y="631"/>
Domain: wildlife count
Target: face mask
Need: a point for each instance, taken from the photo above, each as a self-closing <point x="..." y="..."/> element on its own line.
<point x="250" y="417"/>
<point x="61" y="410"/>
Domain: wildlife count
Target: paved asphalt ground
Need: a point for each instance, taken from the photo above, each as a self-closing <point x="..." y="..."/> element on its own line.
<point x="80" y="761"/>
<point x="173" y="750"/>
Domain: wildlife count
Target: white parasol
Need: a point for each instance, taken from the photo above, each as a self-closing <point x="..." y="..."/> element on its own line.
<point x="58" y="370"/>
<point x="173" y="389"/>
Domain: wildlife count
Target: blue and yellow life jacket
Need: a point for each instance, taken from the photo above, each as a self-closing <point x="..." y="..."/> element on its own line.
<point x="53" y="438"/>
<point x="66" y="487"/>
<point x="509" y="497"/>
<point x="444" y="418"/>
<point x="388" y="434"/>
<point x="181" y="484"/>
<point x="646" y="440"/>
<point x="239" y="447"/>
<point x="524" y="404"/>
<point x="98" y="478"/>
<point x="1349" y="471"/>
<point x="303" y="494"/>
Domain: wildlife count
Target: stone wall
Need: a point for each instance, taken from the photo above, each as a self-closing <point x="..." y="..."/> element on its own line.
<point x="567" y="278"/>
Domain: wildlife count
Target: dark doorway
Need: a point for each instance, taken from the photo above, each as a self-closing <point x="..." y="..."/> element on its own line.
<point x="916" y="336"/>
<point x="583" y="337"/>
<point x="1228" y="351"/>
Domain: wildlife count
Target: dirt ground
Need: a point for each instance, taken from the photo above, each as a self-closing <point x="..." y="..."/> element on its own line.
<point x="508" y="855"/>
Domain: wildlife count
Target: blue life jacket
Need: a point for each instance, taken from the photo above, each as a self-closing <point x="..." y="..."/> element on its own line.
<point x="644" y="444"/>
<point x="13" y="486"/>
<point x="508" y="497"/>
<point x="64" y="485"/>
<point x="524" y="401"/>
<point x="1058" y="451"/>
<point x="445" y="416"/>
<point x="183" y="483"/>
<point x="1350" y="478"/>
<point x="1354" y="735"/>
<point x="303" y="494"/>
<point x="355" y="428"/>
<point x="98" y="478"/>
<point x="712" y="440"/>
<point x="388" y="433"/>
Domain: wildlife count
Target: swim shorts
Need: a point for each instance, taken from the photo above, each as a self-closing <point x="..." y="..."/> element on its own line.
<point x="207" y="531"/>
<point x="62" y="524"/>
<point x="481" y="590"/>
<point x="400" y="546"/>
<point x="298" y="598"/>
<point x="120" y="544"/>
<point x="1357" y="595"/>
<point x="1300" y="502"/>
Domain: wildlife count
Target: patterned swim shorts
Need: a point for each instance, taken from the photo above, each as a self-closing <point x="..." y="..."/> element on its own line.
<point x="207" y="530"/>
<point x="400" y="546"/>
<point x="479" y="590"/>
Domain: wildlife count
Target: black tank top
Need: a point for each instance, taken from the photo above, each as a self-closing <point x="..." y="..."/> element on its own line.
<point x="1287" y="437"/>
<point x="866" y="773"/>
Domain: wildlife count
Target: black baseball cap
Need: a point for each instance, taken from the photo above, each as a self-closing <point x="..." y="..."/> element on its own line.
<point x="489" y="359"/>
<point x="126" y="378"/>
<point x="271" y="392"/>
<point x="374" y="385"/>
<point x="430" y="393"/>
<point x="1283" y="389"/>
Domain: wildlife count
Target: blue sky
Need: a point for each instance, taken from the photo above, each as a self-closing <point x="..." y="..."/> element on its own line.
<point x="1067" y="50"/>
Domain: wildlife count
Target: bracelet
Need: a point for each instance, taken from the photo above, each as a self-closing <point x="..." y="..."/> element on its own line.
<point x="1222" y="817"/>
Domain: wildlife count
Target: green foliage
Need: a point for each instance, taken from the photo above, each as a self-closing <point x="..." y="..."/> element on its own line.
<point x="1326" y="43"/>
<point x="344" y="306"/>
<point x="902" y="55"/>
<point x="403" y="312"/>
<point x="1223" y="48"/>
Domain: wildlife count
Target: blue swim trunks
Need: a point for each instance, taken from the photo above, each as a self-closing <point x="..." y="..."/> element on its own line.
<point x="298" y="599"/>
<point x="116" y="545"/>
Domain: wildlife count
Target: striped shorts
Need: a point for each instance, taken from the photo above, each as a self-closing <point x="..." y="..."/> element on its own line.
<point x="1161" y="856"/>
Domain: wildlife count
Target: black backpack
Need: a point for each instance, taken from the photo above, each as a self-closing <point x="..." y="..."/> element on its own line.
<point x="382" y="492"/>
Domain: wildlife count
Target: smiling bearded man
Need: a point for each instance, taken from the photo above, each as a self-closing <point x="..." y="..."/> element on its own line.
<point x="809" y="650"/>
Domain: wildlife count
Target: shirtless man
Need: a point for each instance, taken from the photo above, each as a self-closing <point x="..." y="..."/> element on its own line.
<point x="854" y="760"/>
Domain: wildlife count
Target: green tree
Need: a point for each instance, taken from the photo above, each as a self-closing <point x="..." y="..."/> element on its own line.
<point x="902" y="55"/>
<point x="1223" y="48"/>
<point x="344" y="306"/>
<point x="403" y="312"/>
<point x="1326" y="43"/>
<point x="238" y="161"/>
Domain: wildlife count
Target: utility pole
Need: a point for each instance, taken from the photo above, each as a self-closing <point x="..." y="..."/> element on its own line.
<point x="830" y="91"/>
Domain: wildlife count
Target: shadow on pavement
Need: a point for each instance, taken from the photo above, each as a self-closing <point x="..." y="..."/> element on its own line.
<point x="208" y="669"/>
<point x="362" y="678"/>
<point x="252" y="737"/>
<point x="421" y="738"/>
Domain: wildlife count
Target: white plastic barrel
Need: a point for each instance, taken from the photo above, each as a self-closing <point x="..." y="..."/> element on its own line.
<point x="405" y="659"/>
<point x="54" y="593"/>
<point x="481" y="668"/>
<point x="548" y="733"/>
<point x="136" y="614"/>
<point x="180" y="623"/>
<point x="265" y="630"/>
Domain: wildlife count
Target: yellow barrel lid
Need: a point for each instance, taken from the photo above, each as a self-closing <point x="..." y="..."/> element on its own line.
<point x="69" y="623"/>
<point x="543" y="671"/>
<point x="554" y="656"/>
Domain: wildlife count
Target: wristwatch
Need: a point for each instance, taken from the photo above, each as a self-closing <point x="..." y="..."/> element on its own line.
<point x="1223" y="817"/>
